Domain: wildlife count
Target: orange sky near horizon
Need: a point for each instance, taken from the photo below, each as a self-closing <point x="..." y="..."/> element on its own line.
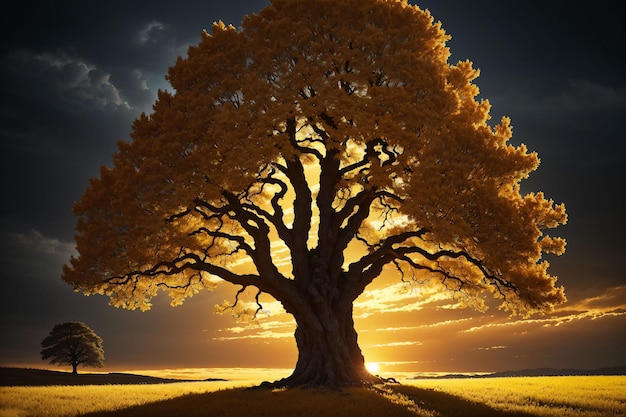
<point x="403" y="329"/>
<point x="403" y="326"/>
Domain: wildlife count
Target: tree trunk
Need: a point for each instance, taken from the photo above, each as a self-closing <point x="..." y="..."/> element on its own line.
<point x="328" y="350"/>
<point x="74" y="368"/>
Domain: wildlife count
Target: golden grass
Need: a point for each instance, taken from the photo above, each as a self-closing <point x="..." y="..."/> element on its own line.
<point x="197" y="399"/>
<point x="563" y="396"/>
<point x="58" y="401"/>
<point x="534" y="396"/>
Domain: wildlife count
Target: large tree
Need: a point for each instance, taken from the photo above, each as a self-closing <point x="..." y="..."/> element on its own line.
<point x="73" y="343"/>
<point x="336" y="132"/>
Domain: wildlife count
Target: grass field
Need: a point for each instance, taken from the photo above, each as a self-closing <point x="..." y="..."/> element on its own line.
<point x="555" y="396"/>
<point x="596" y="396"/>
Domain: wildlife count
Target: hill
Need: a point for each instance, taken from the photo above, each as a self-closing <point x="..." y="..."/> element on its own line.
<point x="38" y="377"/>
<point x="615" y="370"/>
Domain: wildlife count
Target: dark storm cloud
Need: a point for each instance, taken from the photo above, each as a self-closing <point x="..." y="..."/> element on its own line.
<point x="582" y="153"/>
<point x="74" y="78"/>
<point x="60" y="116"/>
<point x="556" y="69"/>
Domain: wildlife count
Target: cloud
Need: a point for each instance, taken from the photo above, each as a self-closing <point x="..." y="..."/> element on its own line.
<point x="554" y="321"/>
<point x="610" y="299"/>
<point x="150" y="32"/>
<point x="583" y="95"/>
<point x="58" y="80"/>
<point x="400" y="297"/>
<point x="31" y="265"/>
<point x="492" y="347"/>
<point x="132" y="84"/>
<point x="396" y="344"/>
<point x="35" y="242"/>
<point x="576" y="104"/>
<point x="260" y="335"/>
<point x="274" y="330"/>
<point x="281" y="326"/>
<point x="423" y="326"/>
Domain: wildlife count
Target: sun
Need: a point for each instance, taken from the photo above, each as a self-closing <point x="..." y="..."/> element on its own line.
<point x="372" y="367"/>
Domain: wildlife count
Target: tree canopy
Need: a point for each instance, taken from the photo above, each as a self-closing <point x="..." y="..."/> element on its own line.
<point x="335" y="132"/>
<point x="73" y="343"/>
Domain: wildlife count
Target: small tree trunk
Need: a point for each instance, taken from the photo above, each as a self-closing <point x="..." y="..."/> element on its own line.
<point x="328" y="350"/>
<point x="74" y="368"/>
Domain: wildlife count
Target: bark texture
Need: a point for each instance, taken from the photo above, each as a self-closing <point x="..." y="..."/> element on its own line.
<point x="328" y="350"/>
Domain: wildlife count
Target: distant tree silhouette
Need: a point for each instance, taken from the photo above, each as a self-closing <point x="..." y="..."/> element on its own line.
<point x="322" y="145"/>
<point x="73" y="343"/>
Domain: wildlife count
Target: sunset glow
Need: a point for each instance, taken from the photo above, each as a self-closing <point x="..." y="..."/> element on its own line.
<point x="372" y="367"/>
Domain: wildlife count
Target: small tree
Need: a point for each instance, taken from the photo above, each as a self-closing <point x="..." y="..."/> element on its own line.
<point x="73" y="343"/>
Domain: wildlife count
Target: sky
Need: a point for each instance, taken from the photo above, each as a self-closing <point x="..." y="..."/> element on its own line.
<point x="74" y="76"/>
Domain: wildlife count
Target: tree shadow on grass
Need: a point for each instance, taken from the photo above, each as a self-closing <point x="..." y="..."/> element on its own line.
<point x="312" y="402"/>
<point x="452" y="406"/>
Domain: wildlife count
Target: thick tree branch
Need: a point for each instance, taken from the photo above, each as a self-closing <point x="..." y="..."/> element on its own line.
<point x="191" y="261"/>
<point x="252" y="219"/>
<point x="371" y="265"/>
<point x="303" y="214"/>
<point x="295" y="143"/>
<point x="373" y="150"/>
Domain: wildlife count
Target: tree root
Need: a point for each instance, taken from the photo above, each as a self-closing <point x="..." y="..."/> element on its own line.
<point x="305" y="383"/>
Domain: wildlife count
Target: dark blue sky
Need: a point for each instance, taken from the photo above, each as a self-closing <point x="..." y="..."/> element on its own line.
<point x="75" y="75"/>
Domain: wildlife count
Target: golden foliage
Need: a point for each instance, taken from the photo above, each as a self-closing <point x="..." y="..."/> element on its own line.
<point x="361" y="93"/>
